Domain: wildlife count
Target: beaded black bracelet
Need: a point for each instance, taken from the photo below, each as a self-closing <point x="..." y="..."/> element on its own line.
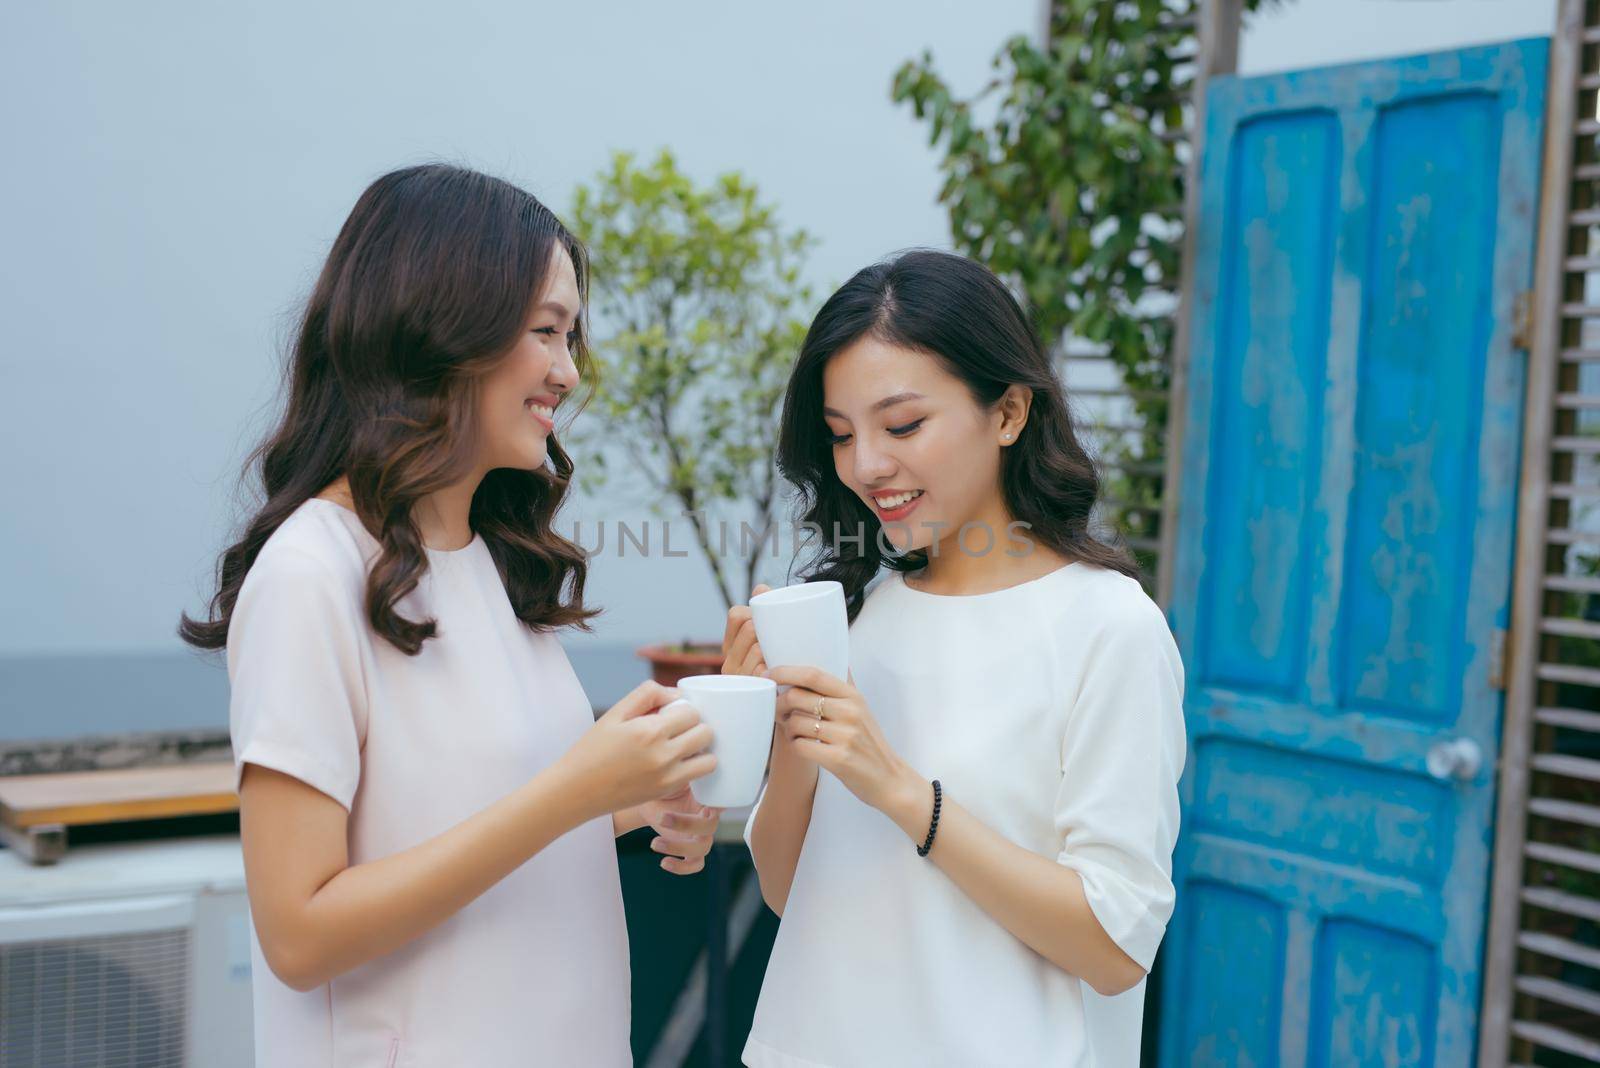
<point x="933" y="825"/>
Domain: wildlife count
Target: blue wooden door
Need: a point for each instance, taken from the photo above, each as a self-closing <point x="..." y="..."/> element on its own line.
<point x="1343" y="558"/>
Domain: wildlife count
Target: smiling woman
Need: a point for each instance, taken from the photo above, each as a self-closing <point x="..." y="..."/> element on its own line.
<point x="1012" y="715"/>
<point x="428" y="806"/>
<point x="943" y="393"/>
<point x="516" y="398"/>
<point x="401" y="336"/>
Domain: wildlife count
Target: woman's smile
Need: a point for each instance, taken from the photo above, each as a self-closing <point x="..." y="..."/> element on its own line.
<point x="543" y="408"/>
<point x="894" y="505"/>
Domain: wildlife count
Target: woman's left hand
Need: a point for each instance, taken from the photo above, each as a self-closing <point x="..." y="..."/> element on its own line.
<point x="685" y="830"/>
<point x="845" y="738"/>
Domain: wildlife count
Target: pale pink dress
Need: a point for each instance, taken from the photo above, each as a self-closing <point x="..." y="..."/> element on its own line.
<point x="536" y="970"/>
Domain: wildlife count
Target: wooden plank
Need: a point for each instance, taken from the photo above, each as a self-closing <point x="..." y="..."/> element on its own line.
<point x="1119" y="393"/>
<point x="1570" y="628"/>
<point x="1584" y="908"/>
<point x="1566" y="858"/>
<point x="1570" y="766"/>
<point x="1572" y="584"/>
<point x="43" y="844"/>
<point x="1136" y="467"/>
<point x="1131" y="506"/>
<point x="1565" y="811"/>
<point x="1577" y="676"/>
<point x="1561" y="949"/>
<point x="1576" y="719"/>
<point x="82" y="797"/>
<point x="1555" y="1038"/>
<point x="1218" y="35"/>
<point x="1567" y="491"/>
<point x="1565" y="536"/>
<point x="1539" y="986"/>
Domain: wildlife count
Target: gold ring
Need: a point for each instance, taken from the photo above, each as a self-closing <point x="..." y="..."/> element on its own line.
<point x="820" y="702"/>
<point x="816" y="727"/>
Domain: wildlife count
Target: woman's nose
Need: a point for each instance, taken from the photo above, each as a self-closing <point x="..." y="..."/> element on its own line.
<point x="872" y="464"/>
<point x="563" y="374"/>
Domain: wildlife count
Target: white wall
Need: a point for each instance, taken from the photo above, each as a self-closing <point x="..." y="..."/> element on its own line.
<point x="1317" y="33"/>
<point x="175" y="173"/>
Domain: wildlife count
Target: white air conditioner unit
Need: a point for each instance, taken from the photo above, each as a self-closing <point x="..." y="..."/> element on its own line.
<point x="131" y="955"/>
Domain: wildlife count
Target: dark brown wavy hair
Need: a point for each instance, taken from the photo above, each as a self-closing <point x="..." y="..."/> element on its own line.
<point x="957" y="311"/>
<point x="428" y="285"/>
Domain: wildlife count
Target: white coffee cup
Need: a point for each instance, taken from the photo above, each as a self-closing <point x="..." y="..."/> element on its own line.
<point x="739" y="710"/>
<point x="804" y="625"/>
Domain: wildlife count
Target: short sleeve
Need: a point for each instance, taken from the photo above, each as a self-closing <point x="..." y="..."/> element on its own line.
<point x="1117" y="807"/>
<point x="298" y="695"/>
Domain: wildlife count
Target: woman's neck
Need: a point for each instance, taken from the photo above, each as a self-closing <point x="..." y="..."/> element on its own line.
<point x="982" y="564"/>
<point x="442" y="518"/>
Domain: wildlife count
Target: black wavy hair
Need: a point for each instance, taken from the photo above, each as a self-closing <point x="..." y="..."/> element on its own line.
<point x="957" y="311"/>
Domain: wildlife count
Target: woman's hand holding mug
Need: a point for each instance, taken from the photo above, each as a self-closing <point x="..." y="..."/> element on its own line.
<point x="825" y="720"/>
<point x="741" y="652"/>
<point x="632" y="754"/>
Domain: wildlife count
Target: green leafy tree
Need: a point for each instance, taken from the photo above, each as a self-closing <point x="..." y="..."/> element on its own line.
<point x="1064" y="174"/>
<point x="696" y="292"/>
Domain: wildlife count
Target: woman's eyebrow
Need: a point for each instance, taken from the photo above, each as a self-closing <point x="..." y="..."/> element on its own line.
<point x="555" y="306"/>
<point x="887" y="402"/>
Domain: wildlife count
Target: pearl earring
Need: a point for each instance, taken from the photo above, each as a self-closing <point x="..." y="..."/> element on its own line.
<point x="1008" y="437"/>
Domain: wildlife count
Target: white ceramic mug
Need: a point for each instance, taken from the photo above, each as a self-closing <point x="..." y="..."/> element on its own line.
<point x="739" y="710"/>
<point x="804" y="625"/>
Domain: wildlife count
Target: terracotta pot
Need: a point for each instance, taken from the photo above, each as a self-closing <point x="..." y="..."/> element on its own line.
<point x="669" y="663"/>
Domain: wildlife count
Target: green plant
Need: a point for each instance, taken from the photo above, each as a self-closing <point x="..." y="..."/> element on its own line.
<point x="1064" y="175"/>
<point x="696" y="291"/>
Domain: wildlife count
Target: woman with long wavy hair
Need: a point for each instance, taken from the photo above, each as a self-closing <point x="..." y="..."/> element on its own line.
<point x="984" y="874"/>
<point x="427" y="802"/>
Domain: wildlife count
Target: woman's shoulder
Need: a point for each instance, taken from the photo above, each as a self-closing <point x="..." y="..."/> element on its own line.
<point x="306" y="587"/>
<point x="1101" y="604"/>
<point x="319" y="544"/>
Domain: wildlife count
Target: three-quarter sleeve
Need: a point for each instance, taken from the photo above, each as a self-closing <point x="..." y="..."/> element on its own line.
<point x="1116" y="809"/>
<point x="298" y="701"/>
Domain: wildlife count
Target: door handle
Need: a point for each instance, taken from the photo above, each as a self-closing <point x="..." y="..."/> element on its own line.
<point x="1457" y="759"/>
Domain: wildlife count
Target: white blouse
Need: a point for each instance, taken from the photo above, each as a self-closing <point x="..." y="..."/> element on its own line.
<point x="1052" y="711"/>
